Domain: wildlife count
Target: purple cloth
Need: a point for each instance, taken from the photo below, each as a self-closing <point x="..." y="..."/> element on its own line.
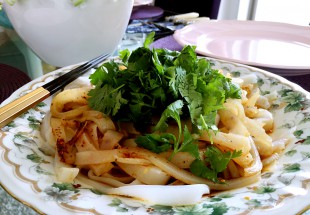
<point x="10" y="80"/>
<point x="146" y="12"/>
<point x="215" y="9"/>
<point x="167" y="42"/>
<point x="207" y="8"/>
<point x="301" y="80"/>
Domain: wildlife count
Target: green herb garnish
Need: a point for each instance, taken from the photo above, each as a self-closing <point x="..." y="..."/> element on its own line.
<point x="216" y="161"/>
<point x="170" y="84"/>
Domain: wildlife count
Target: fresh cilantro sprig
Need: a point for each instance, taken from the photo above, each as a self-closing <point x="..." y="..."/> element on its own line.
<point x="154" y="79"/>
<point x="217" y="162"/>
<point x="156" y="142"/>
<point x="188" y="144"/>
<point x="170" y="84"/>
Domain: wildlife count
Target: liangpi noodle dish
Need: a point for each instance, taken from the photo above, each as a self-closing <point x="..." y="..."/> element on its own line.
<point x="172" y="131"/>
<point x="160" y="117"/>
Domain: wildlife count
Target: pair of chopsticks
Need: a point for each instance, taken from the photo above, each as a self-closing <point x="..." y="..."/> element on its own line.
<point x="164" y="31"/>
<point x="24" y="103"/>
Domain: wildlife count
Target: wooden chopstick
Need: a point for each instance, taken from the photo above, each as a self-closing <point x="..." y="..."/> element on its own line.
<point x="24" y="103"/>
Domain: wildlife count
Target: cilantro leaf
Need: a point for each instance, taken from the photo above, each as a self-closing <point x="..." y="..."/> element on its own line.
<point x="149" y="39"/>
<point x="219" y="160"/>
<point x="97" y="76"/>
<point x="188" y="144"/>
<point x="173" y="110"/>
<point x="200" y="169"/>
<point x="124" y="55"/>
<point x="112" y="98"/>
<point x="155" y="142"/>
<point x="216" y="161"/>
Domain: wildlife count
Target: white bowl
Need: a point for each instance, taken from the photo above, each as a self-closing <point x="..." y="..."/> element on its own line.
<point x="62" y="34"/>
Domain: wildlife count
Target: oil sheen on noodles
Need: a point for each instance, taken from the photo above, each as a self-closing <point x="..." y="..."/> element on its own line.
<point x="89" y="147"/>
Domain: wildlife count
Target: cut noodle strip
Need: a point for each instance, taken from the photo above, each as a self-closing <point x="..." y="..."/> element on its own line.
<point x="256" y="166"/>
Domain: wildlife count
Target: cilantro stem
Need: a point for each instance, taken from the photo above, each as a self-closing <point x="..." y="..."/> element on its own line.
<point x="176" y="143"/>
<point x="116" y="89"/>
<point x="207" y="129"/>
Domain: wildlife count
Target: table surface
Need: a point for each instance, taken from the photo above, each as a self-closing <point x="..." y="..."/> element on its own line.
<point x="9" y="205"/>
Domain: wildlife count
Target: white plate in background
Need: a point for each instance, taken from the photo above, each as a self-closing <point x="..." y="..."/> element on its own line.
<point x="142" y="2"/>
<point x="285" y="48"/>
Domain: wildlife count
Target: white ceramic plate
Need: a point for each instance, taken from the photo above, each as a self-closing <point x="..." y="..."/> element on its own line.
<point x="28" y="175"/>
<point x="142" y="2"/>
<point x="283" y="47"/>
